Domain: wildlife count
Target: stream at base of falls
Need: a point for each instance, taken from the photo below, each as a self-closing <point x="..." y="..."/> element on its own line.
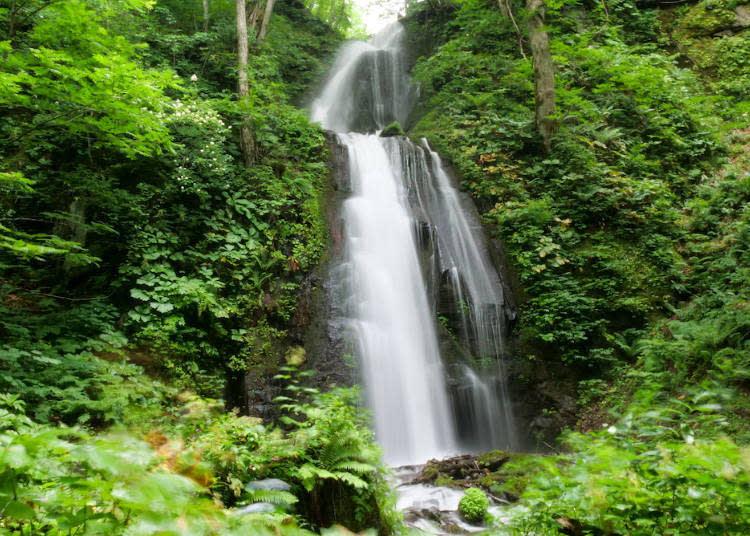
<point x="421" y="303"/>
<point x="434" y="509"/>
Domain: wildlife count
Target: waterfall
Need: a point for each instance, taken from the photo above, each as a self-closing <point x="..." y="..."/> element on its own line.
<point x="414" y="252"/>
<point x="369" y="86"/>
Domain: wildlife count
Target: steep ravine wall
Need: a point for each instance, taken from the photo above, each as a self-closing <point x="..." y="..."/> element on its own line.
<point x="543" y="391"/>
<point x="314" y="341"/>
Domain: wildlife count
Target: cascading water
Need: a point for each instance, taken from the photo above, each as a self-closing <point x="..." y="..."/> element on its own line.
<point x="404" y="380"/>
<point x="369" y="86"/>
<point x="414" y="250"/>
<point x="467" y="293"/>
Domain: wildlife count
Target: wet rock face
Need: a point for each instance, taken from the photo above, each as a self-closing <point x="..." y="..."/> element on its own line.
<point x="261" y="390"/>
<point x="550" y="402"/>
<point x="320" y="329"/>
<point x="337" y="165"/>
<point x="377" y="92"/>
<point x="313" y="326"/>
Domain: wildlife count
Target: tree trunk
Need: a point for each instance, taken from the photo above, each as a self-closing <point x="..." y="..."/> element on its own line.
<point x="252" y="21"/>
<point x="342" y="14"/>
<point x="12" y="21"/>
<point x="266" y="19"/>
<point x="205" y="15"/>
<point x="332" y="12"/>
<point x="247" y="140"/>
<point x="544" y="74"/>
<point x="74" y="230"/>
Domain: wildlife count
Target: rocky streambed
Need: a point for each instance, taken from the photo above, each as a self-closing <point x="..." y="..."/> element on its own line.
<point x="429" y="494"/>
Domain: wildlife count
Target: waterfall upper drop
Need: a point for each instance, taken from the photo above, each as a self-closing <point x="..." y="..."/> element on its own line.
<point x="414" y="251"/>
<point x="369" y="86"/>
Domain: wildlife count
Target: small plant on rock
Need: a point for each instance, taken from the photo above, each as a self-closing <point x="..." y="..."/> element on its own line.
<point x="473" y="505"/>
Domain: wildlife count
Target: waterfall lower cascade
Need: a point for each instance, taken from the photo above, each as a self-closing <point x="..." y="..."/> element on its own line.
<point x="421" y="299"/>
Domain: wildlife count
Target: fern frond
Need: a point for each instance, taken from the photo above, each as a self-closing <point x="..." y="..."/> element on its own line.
<point x="273" y="496"/>
<point x="351" y="479"/>
<point x="337" y="451"/>
<point x="353" y="466"/>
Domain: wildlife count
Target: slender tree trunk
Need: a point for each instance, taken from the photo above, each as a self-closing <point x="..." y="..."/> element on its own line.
<point x="266" y="19"/>
<point x="252" y="21"/>
<point x="205" y="15"/>
<point x="544" y="73"/>
<point x="342" y="14"/>
<point x="74" y="229"/>
<point x="12" y="21"/>
<point x="332" y="12"/>
<point x="247" y="140"/>
<point x="506" y="7"/>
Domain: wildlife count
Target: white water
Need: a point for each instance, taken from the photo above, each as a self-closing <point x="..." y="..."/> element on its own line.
<point x="476" y="287"/>
<point x="369" y="86"/>
<point x="404" y="379"/>
<point x="399" y="190"/>
<point x="434" y="509"/>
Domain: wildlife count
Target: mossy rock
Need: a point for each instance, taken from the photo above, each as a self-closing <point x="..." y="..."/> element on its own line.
<point x="708" y="18"/>
<point x="394" y="129"/>
<point x="445" y="481"/>
<point x="431" y="473"/>
<point x="491" y="480"/>
<point x="493" y="458"/>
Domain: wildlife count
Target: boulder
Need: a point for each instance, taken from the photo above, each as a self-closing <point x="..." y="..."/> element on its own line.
<point x="271" y="484"/>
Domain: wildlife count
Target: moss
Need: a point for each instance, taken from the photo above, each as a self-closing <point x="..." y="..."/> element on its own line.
<point x="489" y="481"/>
<point x="707" y="18"/>
<point x="491" y="458"/>
<point x="431" y="473"/>
<point x="513" y="477"/>
<point x="445" y="481"/>
<point x="394" y="129"/>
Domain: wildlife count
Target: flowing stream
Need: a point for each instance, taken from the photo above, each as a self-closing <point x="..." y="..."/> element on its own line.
<point x="421" y="299"/>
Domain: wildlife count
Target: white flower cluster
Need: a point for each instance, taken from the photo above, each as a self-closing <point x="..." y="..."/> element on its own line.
<point x="211" y="158"/>
<point x="191" y="113"/>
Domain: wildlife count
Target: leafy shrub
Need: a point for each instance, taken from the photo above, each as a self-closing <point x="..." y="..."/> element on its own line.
<point x="61" y="481"/>
<point x="50" y="360"/>
<point x="217" y="293"/>
<point x="591" y="228"/>
<point x="473" y="505"/>
<point x="665" y="468"/>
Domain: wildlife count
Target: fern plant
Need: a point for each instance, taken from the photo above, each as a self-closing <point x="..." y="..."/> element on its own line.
<point x="276" y="497"/>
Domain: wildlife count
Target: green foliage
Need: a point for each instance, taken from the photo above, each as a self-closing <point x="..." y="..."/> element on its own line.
<point x="140" y="222"/>
<point x="664" y="468"/>
<point x="340" y="15"/>
<point x="394" y="129"/>
<point x="64" y="481"/>
<point x="630" y="242"/>
<point x="205" y="257"/>
<point x="273" y="496"/>
<point x="473" y="505"/>
<point x="68" y="478"/>
<point x="75" y="79"/>
<point x="50" y="361"/>
<point x="340" y="448"/>
<point x="244" y="239"/>
<point x="591" y="227"/>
